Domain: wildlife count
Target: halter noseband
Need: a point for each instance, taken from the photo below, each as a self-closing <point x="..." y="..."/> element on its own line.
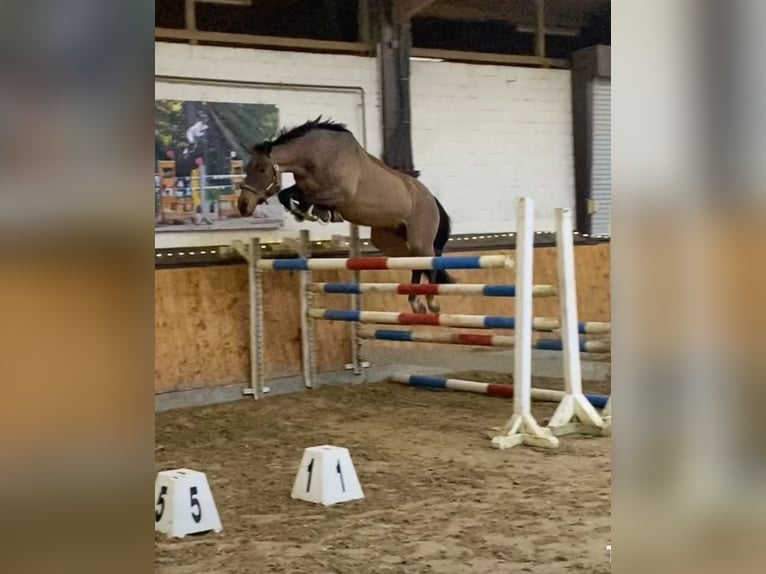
<point x="274" y="183"/>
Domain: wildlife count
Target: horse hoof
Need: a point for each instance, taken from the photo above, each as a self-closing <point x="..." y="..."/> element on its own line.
<point x="418" y="307"/>
<point x="434" y="307"/>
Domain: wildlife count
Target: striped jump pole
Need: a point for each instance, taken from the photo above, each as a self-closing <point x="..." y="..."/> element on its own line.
<point x="443" y="320"/>
<point x="387" y="263"/>
<point x="477" y="340"/>
<point x="495" y="390"/>
<point x="429" y="289"/>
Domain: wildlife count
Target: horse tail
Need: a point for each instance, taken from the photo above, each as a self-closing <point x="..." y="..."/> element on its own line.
<point x="442" y="236"/>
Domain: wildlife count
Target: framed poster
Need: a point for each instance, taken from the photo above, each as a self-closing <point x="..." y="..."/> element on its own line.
<point x="201" y="150"/>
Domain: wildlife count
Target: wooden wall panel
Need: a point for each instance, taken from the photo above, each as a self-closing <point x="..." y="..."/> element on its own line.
<point x="202" y="316"/>
<point x="201" y="327"/>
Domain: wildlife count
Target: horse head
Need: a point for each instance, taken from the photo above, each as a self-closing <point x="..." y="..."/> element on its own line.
<point x="261" y="180"/>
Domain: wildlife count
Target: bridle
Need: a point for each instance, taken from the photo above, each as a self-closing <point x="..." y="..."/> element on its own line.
<point x="274" y="183"/>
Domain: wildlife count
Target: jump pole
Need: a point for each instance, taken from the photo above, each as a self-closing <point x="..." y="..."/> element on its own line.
<point x="387" y="263"/>
<point x="522" y="428"/>
<point x="429" y="289"/>
<point x="408" y="336"/>
<point x="495" y="390"/>
<point x="446" y="320"/>
<point x="574" y="413"/>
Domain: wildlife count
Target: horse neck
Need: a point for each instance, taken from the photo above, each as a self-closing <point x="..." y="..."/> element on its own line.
<point x="289" y="156"/>
<point x="386" y="170"/>
<point x="310" y="151"/>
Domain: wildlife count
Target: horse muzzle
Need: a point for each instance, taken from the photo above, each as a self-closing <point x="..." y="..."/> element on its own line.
<point x="260" y="197"/>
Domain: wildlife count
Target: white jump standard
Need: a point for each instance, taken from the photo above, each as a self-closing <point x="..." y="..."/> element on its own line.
<point x="574" y="413"/>
<point x="522" y="428"/>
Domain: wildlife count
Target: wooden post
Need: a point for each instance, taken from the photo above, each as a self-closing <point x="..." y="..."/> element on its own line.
<point x="363" y="22"/>
<point x="191" y="19"/>
<point x="540" y="32"/>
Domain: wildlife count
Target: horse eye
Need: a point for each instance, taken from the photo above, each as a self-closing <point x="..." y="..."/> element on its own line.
<point x="262" y="169"/>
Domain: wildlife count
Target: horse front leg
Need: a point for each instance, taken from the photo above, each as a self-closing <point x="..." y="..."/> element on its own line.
<point x="324" y="205"/>
<point x="294" y="200"/>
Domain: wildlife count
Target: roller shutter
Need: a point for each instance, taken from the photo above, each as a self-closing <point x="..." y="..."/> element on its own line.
<point x="601" y="166"/>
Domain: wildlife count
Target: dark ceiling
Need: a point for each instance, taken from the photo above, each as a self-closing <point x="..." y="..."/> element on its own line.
<point x="495" y="26"/>
<point x="560" y="13"/>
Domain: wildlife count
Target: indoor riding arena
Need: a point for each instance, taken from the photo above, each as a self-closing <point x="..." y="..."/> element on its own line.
<point x="326" y="401"/>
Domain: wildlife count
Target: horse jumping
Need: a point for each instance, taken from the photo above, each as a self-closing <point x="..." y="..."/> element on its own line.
<point x="334" y="173"/>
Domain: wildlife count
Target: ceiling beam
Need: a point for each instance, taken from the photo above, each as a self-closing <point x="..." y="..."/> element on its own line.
<point x="267" y="42"/>
<point x="230" y="2"/>
<point x="488" y="58"/>
<point x="560" y="13"/>
<point x="405" y="10"/>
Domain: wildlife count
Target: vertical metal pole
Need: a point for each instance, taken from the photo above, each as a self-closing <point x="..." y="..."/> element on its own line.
<point x="522" y="371"/>
<point x="257" y="355"/>
<point x="355" y="250"/>
<point x="568" y="302"/>
<point x="307" y="323"/>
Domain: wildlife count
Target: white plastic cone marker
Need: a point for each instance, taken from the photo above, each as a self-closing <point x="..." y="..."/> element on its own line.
<point x="183" y="503"/>
<point x="327" y="476"/>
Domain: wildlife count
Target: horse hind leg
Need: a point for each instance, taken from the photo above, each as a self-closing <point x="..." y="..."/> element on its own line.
<point x="424" y="249"/>
<point x="437" y="276"/>
<point x="443" y="232"/>
<point x="431" y="303"/>
<point x="413" y="300"/>
<point x="393" y="243"/>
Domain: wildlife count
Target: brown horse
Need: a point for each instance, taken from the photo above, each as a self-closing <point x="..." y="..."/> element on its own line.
<point x="334" y="173"/>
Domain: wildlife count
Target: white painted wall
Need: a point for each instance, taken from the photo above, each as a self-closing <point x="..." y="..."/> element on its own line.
<point x="485" y="135"/>
<point x="482" y="135"/>
<point x="302" y="85"/>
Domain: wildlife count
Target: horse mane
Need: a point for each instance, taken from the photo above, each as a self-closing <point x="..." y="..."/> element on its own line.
<point x="288" y="135"/>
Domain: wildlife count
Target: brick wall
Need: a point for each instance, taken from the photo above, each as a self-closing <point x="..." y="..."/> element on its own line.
<point x="485" y="135"/>
<point x="482" y="135"/>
